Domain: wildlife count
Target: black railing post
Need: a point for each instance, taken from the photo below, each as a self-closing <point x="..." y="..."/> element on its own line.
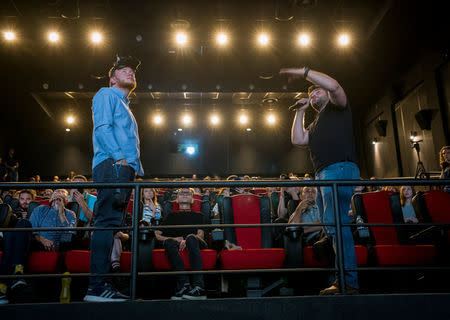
<point x="134" y="243"/>
<point x="338" y="235"/>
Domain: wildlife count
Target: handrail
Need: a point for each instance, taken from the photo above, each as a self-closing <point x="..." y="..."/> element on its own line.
<point x="335" y="184"/>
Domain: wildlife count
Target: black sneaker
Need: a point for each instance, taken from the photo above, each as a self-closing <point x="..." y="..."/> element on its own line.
<point x="179" y="294"/>
<point x="104" y="293"/>
<point x="196" y="293"/>
<point x="18" y="285"/>
<point x="3" y="291"/>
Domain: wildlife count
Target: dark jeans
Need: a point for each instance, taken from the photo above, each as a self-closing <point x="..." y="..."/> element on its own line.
<point x="193" y="246"/>
<point x="111" y="205"/>
<point x="15" y="247"/>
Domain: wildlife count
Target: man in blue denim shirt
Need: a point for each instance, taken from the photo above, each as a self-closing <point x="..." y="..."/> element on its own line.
<point x="331" y="144"/>
<point x="116" y="159"/>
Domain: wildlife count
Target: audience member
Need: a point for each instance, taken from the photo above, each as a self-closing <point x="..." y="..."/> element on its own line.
<point x="12" y="165"/>
<point x="191" y="239"/>
<point x="25" y="197"/>
<point x="308" y="212"/>
<point x="55" y="215"/>
<point x="444" y="162"/>
<point x="406" y="195"/>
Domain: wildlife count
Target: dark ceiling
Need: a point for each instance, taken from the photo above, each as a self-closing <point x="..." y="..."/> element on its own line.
<point x="387" y="37"/>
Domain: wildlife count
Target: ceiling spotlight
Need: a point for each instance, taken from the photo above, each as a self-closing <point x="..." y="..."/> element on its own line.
<point x="243" y="119"/>
<point x="70" y="119"/>
<point x="53" y="36"/>
<point x="304" y="40"/>
<point x="271" y="119"/>
<point x="67" y="129"/>
<point x="9" y="35"/>
<point x="181" y="38"/>
<point x="215" y="119"/>
<point x="222" y="39"/>
<point x="96" y="37"/>
<point x="263" y="39"/>
<point x="179" y="129"/>
<point x="187" y="119"/>
<point x="157" y="119"/>
<point x="249" y="129"/>
<point x="344" y="40"/>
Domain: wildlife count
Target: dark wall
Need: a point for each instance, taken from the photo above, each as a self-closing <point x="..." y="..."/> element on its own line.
<point x="417" y="89"/>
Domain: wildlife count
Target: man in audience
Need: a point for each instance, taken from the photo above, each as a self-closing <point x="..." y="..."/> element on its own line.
<point x="57" y="216"/>
<point x="330" y="140"/>
<point x="191" y="239"/>
<point x="25" y="197"/>
<point x="15" y="248"/>
<point x="116" y="159"/>
<point x="308" y="212"/>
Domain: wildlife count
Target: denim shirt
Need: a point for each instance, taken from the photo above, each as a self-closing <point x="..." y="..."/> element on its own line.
<point x="47" y="217"/>
<point x="115" y="134"/>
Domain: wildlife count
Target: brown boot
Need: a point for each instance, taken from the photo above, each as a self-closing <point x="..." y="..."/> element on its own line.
<point x="335" y="290"/>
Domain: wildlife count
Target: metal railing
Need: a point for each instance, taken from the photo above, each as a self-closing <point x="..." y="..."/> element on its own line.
<point x="137" y="186"/>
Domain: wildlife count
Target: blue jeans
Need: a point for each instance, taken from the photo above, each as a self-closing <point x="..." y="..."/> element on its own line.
<point x="340" y="171"/>
<point x="109" y="212"/>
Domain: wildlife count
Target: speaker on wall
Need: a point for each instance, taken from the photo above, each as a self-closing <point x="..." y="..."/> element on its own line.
<point x="381" y="125"/>
<point x="424" y="117"/>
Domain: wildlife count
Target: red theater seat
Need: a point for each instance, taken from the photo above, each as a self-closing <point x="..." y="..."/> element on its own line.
<point x="43" y="262"/>
<point x="433" y="206"/>
<point x="245" y="209"/>
<point x="376" y="207"/>
<point x="161" y="262"/>
<point x="79" y="261"/>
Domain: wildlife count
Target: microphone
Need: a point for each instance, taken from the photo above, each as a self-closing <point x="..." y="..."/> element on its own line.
<point x="296" y="106"/>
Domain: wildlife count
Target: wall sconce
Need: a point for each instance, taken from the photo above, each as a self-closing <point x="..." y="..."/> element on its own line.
<point x="374" y="141"/>
<point x="413" y="136"/>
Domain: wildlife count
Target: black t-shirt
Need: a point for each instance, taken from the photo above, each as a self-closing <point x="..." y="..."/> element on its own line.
<point x="11" y="161"/>
<point x="183" y="218"/>
<point x="331" y="137"/>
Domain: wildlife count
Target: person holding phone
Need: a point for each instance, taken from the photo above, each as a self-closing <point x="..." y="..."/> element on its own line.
<point x="330" y="141"/>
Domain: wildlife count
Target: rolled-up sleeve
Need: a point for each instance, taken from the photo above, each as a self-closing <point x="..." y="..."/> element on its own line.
<point x="102" y="116"/>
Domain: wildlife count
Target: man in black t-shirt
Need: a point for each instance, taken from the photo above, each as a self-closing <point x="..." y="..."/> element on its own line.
<point x="190" y="239"/>
<point x="330" y="140"/>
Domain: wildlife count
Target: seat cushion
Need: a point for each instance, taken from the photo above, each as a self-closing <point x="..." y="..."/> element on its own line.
<point x="252" y="258"/>
<point x="161" y="262"/>
<point x="43" y="261"/>
<point x="308" y="260"/>
<point x="78" y="260"/>
<point x="398" y="255"/>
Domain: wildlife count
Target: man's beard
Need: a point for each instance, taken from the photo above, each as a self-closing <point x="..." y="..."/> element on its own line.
<point x="320" y="103"/>
<point x="127" y="85"/>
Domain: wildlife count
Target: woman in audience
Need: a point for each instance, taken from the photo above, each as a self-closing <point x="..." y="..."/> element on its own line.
<point x="444" y="161"/>
<point x="406" y="194"/>
<point x="150" y="207"/>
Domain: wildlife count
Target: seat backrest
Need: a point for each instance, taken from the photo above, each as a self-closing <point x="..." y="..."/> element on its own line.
<point x="375" y="207"/>
<point x="247" y="209"/>
<point x="437" y="206"/>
